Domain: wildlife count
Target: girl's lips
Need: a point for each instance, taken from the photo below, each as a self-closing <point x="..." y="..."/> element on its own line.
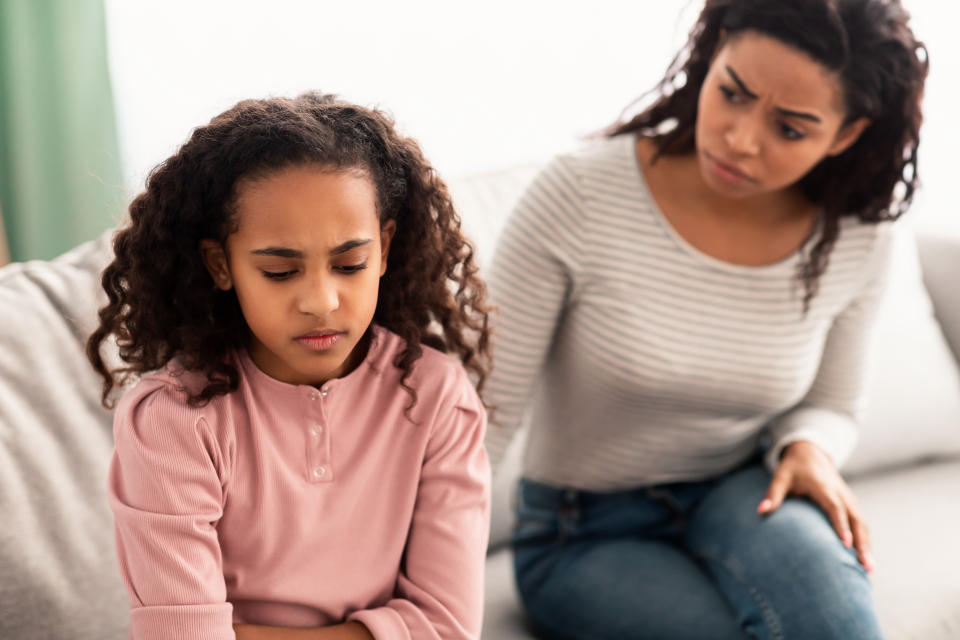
<point x="320" y="342"/>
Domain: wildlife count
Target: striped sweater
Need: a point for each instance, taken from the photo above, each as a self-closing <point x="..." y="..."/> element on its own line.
<point x="640" y="360"/>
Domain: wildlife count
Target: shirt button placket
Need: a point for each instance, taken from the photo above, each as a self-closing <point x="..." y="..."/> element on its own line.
<point x="318" y="439"/>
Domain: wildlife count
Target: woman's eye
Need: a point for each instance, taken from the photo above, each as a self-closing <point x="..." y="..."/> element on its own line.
<point x="352" y="268"/>
<point x="278" y="275"/>
<point x="729" y="94"/>
<point x="789" y="132"/>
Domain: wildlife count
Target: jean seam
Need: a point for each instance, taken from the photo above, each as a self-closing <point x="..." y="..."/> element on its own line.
<point x="770" y="618"/>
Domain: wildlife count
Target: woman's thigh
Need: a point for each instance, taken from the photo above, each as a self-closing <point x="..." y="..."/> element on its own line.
<point x="787" y="574"/>
<point x="620" y="589"/>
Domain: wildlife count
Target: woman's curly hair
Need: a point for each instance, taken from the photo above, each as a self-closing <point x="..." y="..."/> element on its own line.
<point x="869" y="44"/>
<point x="162" y="303"/>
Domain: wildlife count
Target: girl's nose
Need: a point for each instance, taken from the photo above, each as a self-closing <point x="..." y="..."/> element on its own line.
<point x="319" y="297"/>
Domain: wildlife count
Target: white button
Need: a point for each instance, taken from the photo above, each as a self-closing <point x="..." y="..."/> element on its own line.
<point x="317" y="430"/>
<point x="319" y="472"/>
<point x="324" y="392"/>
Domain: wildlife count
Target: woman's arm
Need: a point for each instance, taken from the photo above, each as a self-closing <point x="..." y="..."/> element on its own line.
<point x="828" y="414"/>
<point x="532" y="279"/>
<point x="811" y="441"/>
<point x="348" y="631"/>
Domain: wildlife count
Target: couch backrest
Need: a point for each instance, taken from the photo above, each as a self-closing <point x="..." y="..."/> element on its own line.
<point x="58" y="569"/>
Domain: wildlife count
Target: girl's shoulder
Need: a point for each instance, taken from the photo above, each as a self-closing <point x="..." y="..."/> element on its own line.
<point x="439" y="379"/>
<point x="165" y="394"/>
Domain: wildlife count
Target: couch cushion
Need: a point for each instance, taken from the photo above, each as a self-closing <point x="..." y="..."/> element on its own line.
<point x="940" y="257"/>
<point x="57" y="560"/>
<point x="913" y="387"/>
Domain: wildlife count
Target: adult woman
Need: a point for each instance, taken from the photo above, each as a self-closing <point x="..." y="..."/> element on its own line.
<point x="691" y="291"/>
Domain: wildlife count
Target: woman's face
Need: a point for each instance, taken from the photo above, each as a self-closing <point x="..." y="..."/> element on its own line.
<point x="768" y="113"/>
<point x="305" y="262"/>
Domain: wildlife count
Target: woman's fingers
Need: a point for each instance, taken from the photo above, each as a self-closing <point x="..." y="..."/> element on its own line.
<point x="777" y="491"/>
<point x="861" y="538"/>
<point x="836" y="510"/>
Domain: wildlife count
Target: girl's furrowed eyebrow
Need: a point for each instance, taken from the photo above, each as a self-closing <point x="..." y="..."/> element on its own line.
<point x="278" y="252"/>
<point x="348" y="245"/>
<point x="284" y="252"/>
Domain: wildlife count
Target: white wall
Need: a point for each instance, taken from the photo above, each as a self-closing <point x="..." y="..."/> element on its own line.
<point x="482" y="85"/>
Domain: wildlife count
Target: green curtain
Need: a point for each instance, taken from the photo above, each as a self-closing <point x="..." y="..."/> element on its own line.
<point x="60" y="172"/>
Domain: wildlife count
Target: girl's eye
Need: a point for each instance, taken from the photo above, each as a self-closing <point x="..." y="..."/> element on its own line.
<point x="278" y="275"/>
<point x="789" y="132"/>
<point x="352" y="268"/>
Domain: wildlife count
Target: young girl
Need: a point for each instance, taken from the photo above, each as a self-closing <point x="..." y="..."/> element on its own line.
<point x="301" y="459"/>
<point x="690" y="298"/>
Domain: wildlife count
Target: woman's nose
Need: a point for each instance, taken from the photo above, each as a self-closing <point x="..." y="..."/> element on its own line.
<point x="743" y="135"/>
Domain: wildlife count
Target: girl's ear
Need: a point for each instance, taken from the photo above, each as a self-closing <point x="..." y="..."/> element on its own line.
<point x="387" y="232"/>
<point x="215" y="259"/>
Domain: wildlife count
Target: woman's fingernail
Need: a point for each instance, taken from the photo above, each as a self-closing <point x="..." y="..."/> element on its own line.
<point x="764" y="506"/>
<point x="847" y="539"/>
<point x="868" y="562"/>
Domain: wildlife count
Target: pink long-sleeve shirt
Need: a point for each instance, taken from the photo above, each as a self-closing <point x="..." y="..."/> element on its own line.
<point x="289" y="505"/>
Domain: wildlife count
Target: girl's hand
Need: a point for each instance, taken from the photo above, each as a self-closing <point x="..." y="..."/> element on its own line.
<point x="805" y="470"/>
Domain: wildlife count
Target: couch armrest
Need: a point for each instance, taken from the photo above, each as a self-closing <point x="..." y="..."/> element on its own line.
<point x="940" y="258"/>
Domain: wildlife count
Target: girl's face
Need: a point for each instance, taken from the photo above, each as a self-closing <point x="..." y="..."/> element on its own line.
<point x="768" y="113"/>
<point x="305" y="262"/>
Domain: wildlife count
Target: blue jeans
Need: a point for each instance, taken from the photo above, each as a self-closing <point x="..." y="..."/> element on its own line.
<point x="686" y="560"/>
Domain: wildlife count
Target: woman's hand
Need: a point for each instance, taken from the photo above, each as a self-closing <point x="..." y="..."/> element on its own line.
<point x="805" y="470"/>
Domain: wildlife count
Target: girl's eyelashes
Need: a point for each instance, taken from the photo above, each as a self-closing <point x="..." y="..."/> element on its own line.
<point x="277" y="275"/>
<point x="283" y="275"/>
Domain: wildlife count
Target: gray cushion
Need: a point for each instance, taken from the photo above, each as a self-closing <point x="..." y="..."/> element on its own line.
<point x="940" y="257"/>
<point x="57" y="561"/>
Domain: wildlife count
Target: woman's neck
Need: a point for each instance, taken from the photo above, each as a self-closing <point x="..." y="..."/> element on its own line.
<point x="681" y="176"/>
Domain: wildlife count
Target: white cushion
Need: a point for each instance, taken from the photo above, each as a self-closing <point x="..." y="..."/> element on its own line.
<point x="913" y="387"/>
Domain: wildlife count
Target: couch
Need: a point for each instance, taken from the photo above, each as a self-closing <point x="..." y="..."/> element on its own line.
<point x="58" y="575"/>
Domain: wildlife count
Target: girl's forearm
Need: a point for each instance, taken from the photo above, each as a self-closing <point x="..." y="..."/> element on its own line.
<point x="347" y="631"/>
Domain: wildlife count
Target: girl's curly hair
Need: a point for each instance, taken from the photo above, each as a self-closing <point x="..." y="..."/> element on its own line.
<point x="161" y="300"/>
<point x="869" y="44"/>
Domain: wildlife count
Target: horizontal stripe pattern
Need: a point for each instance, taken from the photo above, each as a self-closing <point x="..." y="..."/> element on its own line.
<point x="636" y="359"/>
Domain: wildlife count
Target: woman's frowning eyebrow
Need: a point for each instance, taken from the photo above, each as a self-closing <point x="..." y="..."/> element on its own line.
<point x="786" y="112"/>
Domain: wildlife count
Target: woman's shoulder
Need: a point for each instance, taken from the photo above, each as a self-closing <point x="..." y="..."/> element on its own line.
<point x="865" y="241"/>
<point x="616" y="154"/>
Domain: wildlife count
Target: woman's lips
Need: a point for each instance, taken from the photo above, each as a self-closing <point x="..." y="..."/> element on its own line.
<point x="726" y="172"/>
<point x="320" y="341"/>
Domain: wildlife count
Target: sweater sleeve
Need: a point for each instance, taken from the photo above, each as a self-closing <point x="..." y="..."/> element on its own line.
<point x="532" y="280"/>
<point x="439" y="591"/>
<point x="829" y="414"/>
<point x="165" y="490"/>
